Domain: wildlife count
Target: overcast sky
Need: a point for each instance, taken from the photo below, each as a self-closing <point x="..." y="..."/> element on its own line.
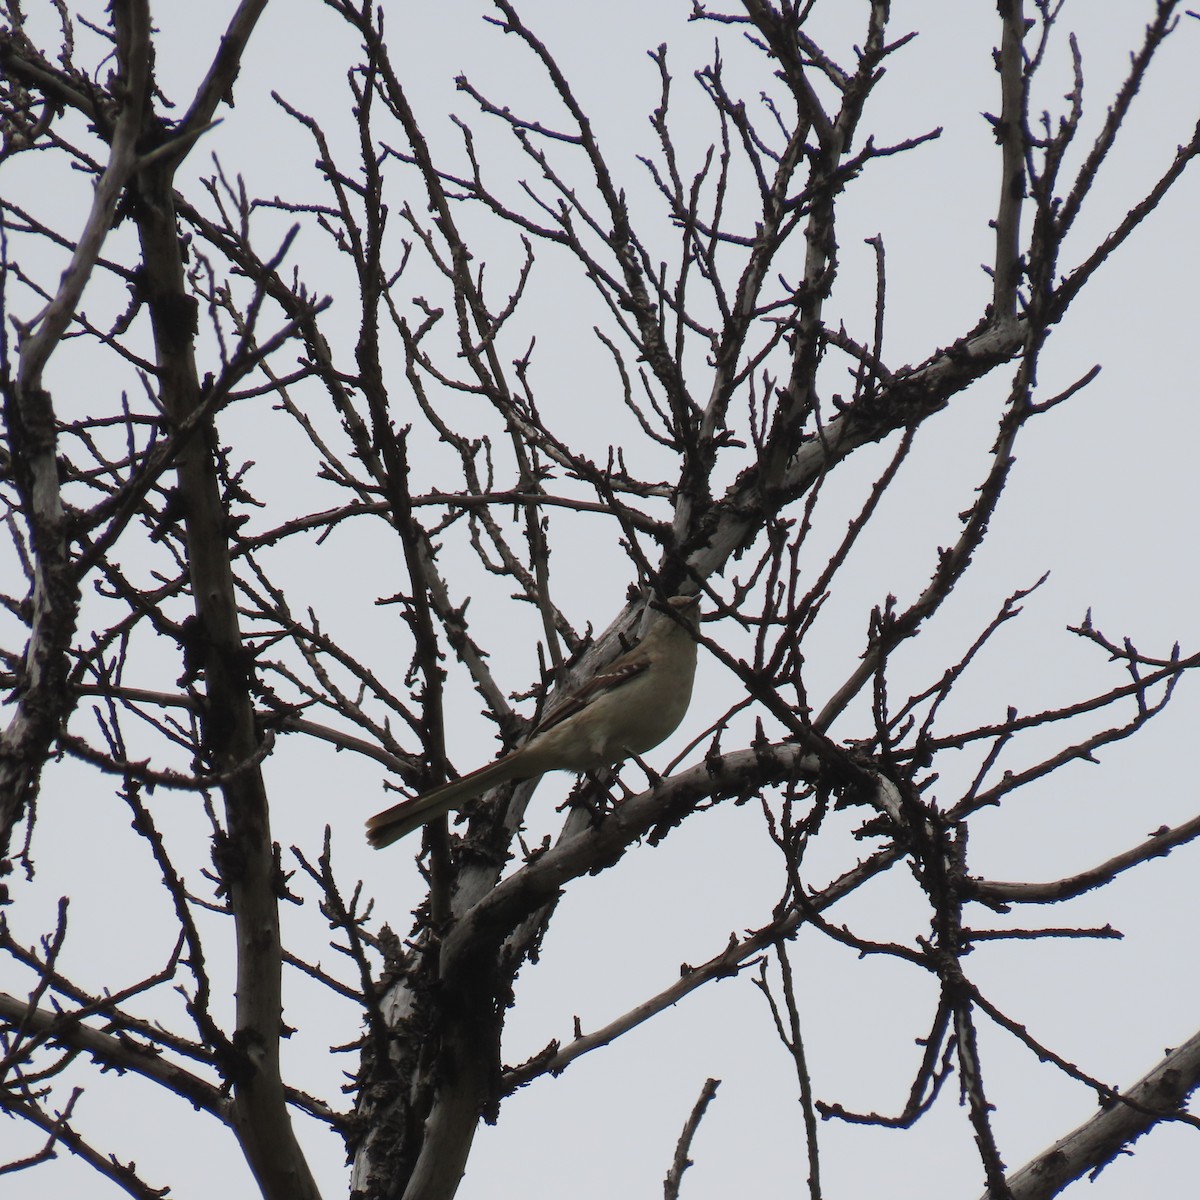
<point x="1103" y="496"/>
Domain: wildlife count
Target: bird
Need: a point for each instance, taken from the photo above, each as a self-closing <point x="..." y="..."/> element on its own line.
<point x="628" y="708"/>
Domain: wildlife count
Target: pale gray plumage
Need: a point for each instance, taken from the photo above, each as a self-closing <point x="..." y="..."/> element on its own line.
<point x="631" y="706"/>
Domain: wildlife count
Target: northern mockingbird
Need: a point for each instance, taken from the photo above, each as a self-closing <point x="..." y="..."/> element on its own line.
<point x="631" y="706"/>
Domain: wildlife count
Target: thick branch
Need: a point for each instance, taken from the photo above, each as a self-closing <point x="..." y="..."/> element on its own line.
<point x="122" y="1054"/>
<point x="1159" y="1094"/>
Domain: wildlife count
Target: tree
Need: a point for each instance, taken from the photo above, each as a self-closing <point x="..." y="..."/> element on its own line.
<point x="268" y="550"/>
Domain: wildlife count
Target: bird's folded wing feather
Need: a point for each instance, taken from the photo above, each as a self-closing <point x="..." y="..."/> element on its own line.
<point x="621" y="672"/>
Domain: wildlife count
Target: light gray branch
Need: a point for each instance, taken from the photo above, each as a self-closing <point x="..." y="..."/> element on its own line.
<point x="1095" y="1143"/>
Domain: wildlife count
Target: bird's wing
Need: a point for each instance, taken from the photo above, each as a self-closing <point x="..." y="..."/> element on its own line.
<point x="617" y="675"/>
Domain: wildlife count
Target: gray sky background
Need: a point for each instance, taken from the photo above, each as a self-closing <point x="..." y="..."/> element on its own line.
<point x="1104" y="496"/>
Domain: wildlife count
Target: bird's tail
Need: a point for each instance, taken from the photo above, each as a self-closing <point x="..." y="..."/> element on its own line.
<point x="401" y="819"/>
